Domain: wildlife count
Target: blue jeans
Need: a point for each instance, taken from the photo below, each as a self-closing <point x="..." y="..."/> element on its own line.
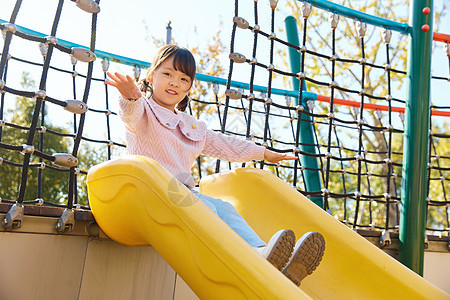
<point x="231" y="217"/>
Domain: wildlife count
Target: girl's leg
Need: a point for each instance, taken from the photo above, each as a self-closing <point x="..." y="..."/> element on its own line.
<point x="229" y="215"/>
<point x="308" y="250"/>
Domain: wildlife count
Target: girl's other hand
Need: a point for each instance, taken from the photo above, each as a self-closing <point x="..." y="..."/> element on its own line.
<point x="125" y="85"/>
<point x="275" y="157"/>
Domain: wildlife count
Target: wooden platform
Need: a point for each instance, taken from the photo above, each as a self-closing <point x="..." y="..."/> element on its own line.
<point x="36" y="262"/>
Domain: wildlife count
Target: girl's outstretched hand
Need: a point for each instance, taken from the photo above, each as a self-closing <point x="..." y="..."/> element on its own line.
<point x="125" y="85"/>
<point x="275" y="157"/>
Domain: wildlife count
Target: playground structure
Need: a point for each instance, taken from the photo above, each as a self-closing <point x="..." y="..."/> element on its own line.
<point x="310" y="179"/>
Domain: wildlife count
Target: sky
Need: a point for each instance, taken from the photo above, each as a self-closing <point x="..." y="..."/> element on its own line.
<point x="127" y="28"/>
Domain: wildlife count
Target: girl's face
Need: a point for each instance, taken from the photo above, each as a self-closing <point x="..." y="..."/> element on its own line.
<point x="170" y="86"/>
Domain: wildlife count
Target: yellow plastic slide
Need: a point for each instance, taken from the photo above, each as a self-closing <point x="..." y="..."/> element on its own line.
<point x="137" y="202"/>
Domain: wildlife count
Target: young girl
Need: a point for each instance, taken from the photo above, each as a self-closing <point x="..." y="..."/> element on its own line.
<point x="157" y="127"/>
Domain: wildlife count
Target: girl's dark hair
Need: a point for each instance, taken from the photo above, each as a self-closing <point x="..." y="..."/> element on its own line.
<point x="183" y="61"/>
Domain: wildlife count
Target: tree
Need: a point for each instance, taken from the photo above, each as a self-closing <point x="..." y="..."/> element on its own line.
<point x="375" y="142"/>
<point x="439" y="184"/>
<point x="54" y="183"/>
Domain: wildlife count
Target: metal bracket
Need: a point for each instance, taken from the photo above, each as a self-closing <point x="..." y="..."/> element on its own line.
<point x="93" y="229"/>
<point x="76" y="106"/>
<point x="105" y="64"/>
<point x="306" y="8"/>
<point x="65" y="160"/>
<point x="14" y="218"/>
<point x="136" y="72"/>
<point x="273" y="4"/>
<point x="233" y="94"/>
<point x="241" y="22"/>
<point x="66" y="221"/>
<point x="333" y="19"/>
<point x="83" y="54"/>
<point x="386" y="35"/>
<point x="361" y="28"/>
<point x="446" y="47"/>
<point x="237" y="57"/>
<point x="9" y="27"/>
<point x="89" y="6"/>
<point x="385" y="239"/>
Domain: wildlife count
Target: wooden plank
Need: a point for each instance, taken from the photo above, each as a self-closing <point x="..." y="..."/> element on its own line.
<point x="40" y="266"/>
<point x="114" y="271"/>
<point x="183" y="291"/>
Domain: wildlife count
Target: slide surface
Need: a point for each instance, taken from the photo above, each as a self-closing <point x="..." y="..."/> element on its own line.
<point x="137" y="202"/>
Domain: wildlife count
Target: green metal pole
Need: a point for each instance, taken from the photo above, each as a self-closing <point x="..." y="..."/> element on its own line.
<point x="294" y="55"/>
<point x="312" y="178"/>
<point x="414" y="176"/>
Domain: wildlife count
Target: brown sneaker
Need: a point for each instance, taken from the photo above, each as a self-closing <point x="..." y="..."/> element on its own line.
<point x="308" y="252"/>
<point x="279" y="248"/>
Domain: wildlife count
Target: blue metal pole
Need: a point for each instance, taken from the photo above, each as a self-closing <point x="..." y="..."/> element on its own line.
<point x="359" y="16"/>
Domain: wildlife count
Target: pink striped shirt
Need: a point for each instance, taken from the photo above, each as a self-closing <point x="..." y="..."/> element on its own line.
<point x="176" y="139"/>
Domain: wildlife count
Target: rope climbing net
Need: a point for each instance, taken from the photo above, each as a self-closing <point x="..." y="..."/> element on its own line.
<point x="349" y="147"/>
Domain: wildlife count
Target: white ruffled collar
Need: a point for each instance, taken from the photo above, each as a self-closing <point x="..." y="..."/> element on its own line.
<point x="191" y="128"/>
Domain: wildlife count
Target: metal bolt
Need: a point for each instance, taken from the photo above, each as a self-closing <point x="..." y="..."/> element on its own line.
<point x="301" y="75"/>
<point x="27" y="149"/>
<point x="50" y="40"/>
<point x="302" y="49"/>
<point x="333" y="57"/>
<point x="40" y="94"/>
